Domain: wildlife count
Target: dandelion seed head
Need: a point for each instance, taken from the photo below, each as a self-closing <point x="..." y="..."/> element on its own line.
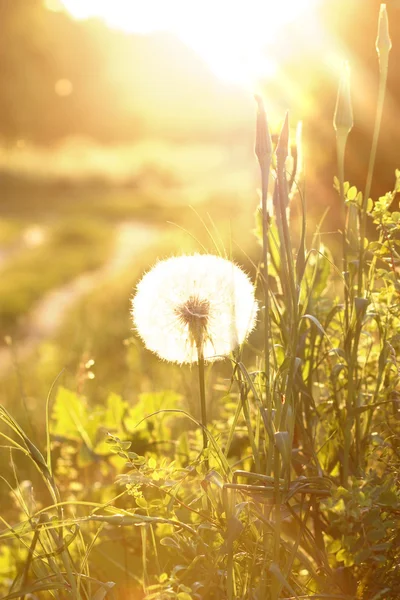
<point x="194" y="314"/>
<point x="189" y="302"/>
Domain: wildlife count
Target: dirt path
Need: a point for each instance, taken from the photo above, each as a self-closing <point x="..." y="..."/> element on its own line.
<point x="46" y="317"/>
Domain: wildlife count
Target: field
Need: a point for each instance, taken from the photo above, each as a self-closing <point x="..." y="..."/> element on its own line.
<point x="199" y="336"/>
<point x="72" y="251"/>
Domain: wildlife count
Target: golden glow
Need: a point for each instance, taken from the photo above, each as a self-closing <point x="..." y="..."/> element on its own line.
<point x="236" y="39"/>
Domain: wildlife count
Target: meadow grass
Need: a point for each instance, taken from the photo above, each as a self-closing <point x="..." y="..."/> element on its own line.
<point x="296" y="492"/>
<point x="9" y="231"/>
<point x="70" y="249"/>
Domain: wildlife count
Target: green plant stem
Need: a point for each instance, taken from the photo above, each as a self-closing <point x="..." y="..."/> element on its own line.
<point x="371" y="272"/>
<point x="283" y="199"/>
<point x="230" y="573"/>
<point x="265" y="165"/>
<point x="383" y="71"/>
<point x="277" y="538"/>
<point x="265" y="168"/>
<point x="356" y="406"/>
<point x="246" y="414"/>
<point x="264" y="158"/>
<point x="230" y="567"/>
<point x="202" y="388"/>
<point x="263" y="151"/>
<point x="341" y="140"/>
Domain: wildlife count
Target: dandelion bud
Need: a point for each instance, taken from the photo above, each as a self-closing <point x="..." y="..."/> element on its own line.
<point x="383" y="42"/>
<point x="282" y="148"/>
<point x="263" y="147"/>
<point x="343" y="118"/>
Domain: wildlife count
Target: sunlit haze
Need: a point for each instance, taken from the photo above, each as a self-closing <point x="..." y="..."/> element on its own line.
<point x="236" y="39"/>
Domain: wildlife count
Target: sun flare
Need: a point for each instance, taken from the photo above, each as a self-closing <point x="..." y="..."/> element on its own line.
<point x="236" y="39"/>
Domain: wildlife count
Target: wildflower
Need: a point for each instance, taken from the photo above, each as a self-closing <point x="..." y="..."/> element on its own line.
<point x="383" y="42"/>
<point x="343" y="117"/>
<point x="191" y="306"/>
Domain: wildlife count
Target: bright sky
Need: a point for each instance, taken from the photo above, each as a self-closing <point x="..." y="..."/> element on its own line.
<point x="235" y="37"/>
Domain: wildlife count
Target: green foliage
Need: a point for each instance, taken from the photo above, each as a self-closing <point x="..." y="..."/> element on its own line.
<point x="268" y="509"/>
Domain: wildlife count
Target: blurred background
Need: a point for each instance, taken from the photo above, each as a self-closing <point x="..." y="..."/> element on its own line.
<point x="127" y="134"/>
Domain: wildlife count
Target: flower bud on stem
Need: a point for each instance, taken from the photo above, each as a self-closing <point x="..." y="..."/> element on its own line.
<point x="343" y="124"/>
<point x="383" y="46"/>
<point x="263" y="151"/>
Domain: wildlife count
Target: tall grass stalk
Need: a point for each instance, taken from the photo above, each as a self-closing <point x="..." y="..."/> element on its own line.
<point x="343" y="124"/>
<point x="32" y="452"/>
<point x="263" y="150"/>
<point x="282" y="151"/>
<point x="383" y="47"/>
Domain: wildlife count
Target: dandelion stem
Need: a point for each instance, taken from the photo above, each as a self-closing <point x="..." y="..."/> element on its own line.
<point x="200" y="355"/>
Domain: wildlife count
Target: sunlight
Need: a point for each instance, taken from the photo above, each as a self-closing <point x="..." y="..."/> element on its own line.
<point x="236" y="41"/>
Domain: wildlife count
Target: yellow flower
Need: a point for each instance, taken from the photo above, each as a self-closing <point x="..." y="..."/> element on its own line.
<point x="194" y="303"/>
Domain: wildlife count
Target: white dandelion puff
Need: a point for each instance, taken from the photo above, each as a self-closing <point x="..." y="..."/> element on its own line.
<point x="191" y="306"/>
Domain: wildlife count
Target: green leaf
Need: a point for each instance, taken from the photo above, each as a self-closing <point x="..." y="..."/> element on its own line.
<point x="114" y="412"/>
<point x="336" y="369"/>
<point x="169" y="543"/>
<point x="376" y="534"/>
<point x="141" y="502"/>
<point x="362" y="556"/>
<point x="397" y="185"/>
<point x="70" y="416"/>
<point x="344" y="556"/>
<point x="103" y="591"/>
<point x="125" y="445"/>
<point x="234" y="529"/>
<point x="388" y="498"/>
<point x="149" y="403"/>
<point x="372" y="516"/>
<point x="334" y="546"/>
<point x="352" y="193"/>
<point x="336" y="183"/>
<point x="282" y="440"/>
<point x="341" y="492"/>
<point x="316" y="323"/>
